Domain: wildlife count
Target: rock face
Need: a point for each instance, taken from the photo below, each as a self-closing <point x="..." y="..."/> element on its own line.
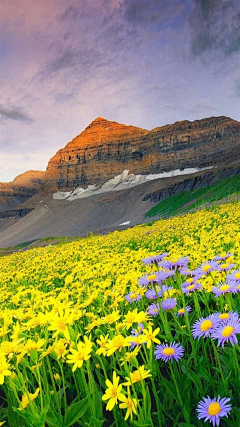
<point x="104" y="149"/>
<point x="20" y="189"/>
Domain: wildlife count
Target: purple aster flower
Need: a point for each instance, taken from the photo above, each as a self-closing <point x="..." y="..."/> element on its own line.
<point x="226" y="266"/>
<point x="234" y="278"/>
<point x="222" y="289"/>
<point x="143" y="281"/>
<point x="169" y="304"/>
<point x="164" y="275"/>
<point x="207" y="267"/>
<point x="157" y="258"/>
<point x="222" y="257"/>
<point x="187" y="287"/>
<point x="213" y="409"/>
<point x="168" y="352"/>
<point x="182" y="311"/>
<point x="150" y="294"/>
<point x="132" y="297"/>
<point x="205" y="326"/>
<point x="228" y="316"/>
<point x="227" y="331"/>
<point x="153" y="309"/>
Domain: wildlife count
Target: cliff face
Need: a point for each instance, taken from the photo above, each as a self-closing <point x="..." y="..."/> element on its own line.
<point x="104" y="149"/>
<point x="20" y="189"/>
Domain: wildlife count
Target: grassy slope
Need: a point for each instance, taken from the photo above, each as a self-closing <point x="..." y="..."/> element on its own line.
<point x="188" y="200"/>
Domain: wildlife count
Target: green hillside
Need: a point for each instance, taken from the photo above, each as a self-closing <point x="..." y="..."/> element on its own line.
<point x="189" y="200"/>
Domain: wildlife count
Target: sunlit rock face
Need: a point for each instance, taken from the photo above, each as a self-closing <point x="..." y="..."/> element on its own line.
<point x="104" y="149"/>
<point x="20" y="189"/>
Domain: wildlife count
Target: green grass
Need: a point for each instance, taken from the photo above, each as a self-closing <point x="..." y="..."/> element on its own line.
<point x="189" y="200"/>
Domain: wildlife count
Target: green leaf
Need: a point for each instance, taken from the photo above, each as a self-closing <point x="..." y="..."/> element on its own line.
<point x="54" y="419"/>
<point x="139" y="424"/>
<point x="185" y="425"/>
<point x="193" y="376"/>
<point x="75" y="411"/>
<point x="94" y="422"/>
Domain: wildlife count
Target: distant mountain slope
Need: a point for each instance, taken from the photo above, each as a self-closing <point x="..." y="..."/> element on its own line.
<point x="20" y="189"/>
<point x="104" y="149"/>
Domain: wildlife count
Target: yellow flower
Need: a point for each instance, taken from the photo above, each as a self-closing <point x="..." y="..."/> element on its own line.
<point x="59" y="324"/>
<point x="138" y="375"/>
<point x="117" y="343"/>
<point x="128" y="403"/>
<point x="113" y="392"/>
<point x="151" y="336"/>
<point x="82" y="353"/>
<point x="27" y="398"/>
<point x="102" y="343"/>
<point x="4" y="369"/>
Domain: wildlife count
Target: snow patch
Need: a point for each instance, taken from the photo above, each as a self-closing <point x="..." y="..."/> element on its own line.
<point x="121" y="182"/>
<point x="125" y="223"/>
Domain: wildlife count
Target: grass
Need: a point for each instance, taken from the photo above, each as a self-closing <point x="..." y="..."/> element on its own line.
<point x="189" y="200"/>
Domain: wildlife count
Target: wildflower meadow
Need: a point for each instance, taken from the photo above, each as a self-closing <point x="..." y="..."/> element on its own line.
<point x="137" y="328"/>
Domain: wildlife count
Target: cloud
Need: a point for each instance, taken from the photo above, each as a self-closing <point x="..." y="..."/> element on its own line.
<point x="215" y="27"/>
<point x="14" y="113"/>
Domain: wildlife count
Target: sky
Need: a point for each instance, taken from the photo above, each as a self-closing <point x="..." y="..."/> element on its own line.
<point x="147" y="63"/>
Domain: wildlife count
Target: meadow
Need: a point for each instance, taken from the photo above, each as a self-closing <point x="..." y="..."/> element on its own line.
<point x="135" y="328"/>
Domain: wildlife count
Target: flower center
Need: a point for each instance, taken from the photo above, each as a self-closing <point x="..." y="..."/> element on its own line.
<point x="181" y="311"/>
<point x="206" y="324"/>
<point x="169" y="351"/>
<point x="227" y="331"/>
<point x="206" y="268"/>
<point x="237" y="275"/>
<point x="190" y="280"/>
<point x="224" y="288"/>
<point x="224" y="316"/>
<point x="114" y="392"/>
<point x="214" y="408"/>
<point x="132" y="296"/>
<point x="224" y="266"/>
<point x="151" y="277"/>
<point x="190" y="287"/>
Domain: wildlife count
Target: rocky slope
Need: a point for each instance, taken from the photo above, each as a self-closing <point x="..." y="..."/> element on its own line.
<point x="104" y="149"/>
<point x="20" y="189"/>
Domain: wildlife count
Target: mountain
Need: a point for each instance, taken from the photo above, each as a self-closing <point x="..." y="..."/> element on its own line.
<point x="20" y="189"/>
<point x="104" y="149"/>
<point x="78" y="192"/>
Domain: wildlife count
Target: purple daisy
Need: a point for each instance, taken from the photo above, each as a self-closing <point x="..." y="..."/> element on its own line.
<point x="226" y="266"/>
<point x="207" y="267"/>
<point x="227" y="332"/>
<point x="234" y="278"/>
<point x="168" y="352"/>
<point x="213" y="409"/>
<point x="132" y="297"/>
<point x="153" y="309"/>
<point x="222" y="257"/>
<point x="222" y="289"/>
<point x="228" y="316"/>
<point x="205" y="326"/>
<point x="157" y="258"/>
<point x="169" y="304"/>
<point x="164" y="275"/>
<point x="151" y="294"/>
<point x="187" y="287"/>
<point x="182" y="311"/>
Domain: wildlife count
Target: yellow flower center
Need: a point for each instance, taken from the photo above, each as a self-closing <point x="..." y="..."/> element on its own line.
<point x="114" y="392"/>
<point x="224" y="316"/>
<point x="206" y="324"/>
<point x="181" y="311"/>
<point x="61" y="324"/>
<point x="225" y="265"/>
<point x="206" y="268"/>
<point x="224" y="288"/>
<point x="190" y="287"/>
<point x="169" y="351"/>
<point x="237" y="276"/>
<point x="190" y="280"/>
<point x="155" y="310"/>
<point x="132" y="296"/>
<point x="151" y="277"/>
<point x="227" y="331"/>
<point x="214" y="408"/>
